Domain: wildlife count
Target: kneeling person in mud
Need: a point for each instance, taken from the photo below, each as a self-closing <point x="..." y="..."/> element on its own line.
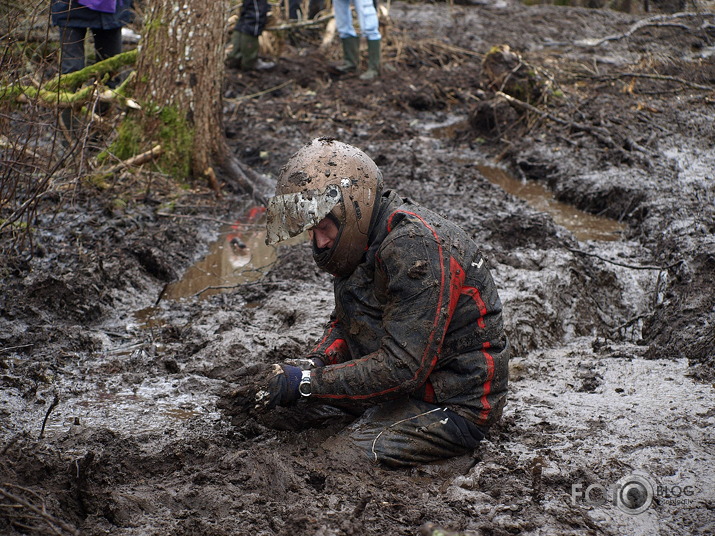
<point x="416" y="336"/>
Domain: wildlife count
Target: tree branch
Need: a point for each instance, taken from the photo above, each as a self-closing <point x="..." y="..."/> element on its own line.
<point x="656" y="77"/>
<point x="658" y="20"/>
<point x="301" y="24"/>
<point x="54" y="523"/>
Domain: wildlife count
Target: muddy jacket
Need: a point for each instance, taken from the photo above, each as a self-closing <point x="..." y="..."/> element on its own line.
<point x="420" y="317"/>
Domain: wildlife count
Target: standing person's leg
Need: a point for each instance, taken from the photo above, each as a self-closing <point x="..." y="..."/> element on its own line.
<point x="294" y="9"/>
<point x="369" y="27"/>
<point x="348" y="36"/>
<point x="72" y="49"/>
<point x="108" y="43"/>
<point x="315" y="7"/>
<point x="254" y="16"/>
<point x="71" y="60"/>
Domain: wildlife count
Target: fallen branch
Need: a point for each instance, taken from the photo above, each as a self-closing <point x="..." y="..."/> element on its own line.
<point x="655" y="77"/>
<point x="138" y="160"/>
<point x="300" y="24"/>
<point x="192" y="217"/>
<point x="598" y="133"/>
<point x="631" y="266"/>
<point x="247" y="180"/>
<point x="56" y="525"/>
<point x="658" y="20"/>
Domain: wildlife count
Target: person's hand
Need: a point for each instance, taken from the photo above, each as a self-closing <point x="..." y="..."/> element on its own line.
<point x="262" y="387"/>
<point x="281" y="389"/>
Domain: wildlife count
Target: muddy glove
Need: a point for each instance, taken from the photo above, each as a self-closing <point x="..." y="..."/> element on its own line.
<point x="281" y="389"/>
<point x="260" y="387"/>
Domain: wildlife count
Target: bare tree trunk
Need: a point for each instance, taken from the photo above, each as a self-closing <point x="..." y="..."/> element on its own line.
<point x="179" y="78"/>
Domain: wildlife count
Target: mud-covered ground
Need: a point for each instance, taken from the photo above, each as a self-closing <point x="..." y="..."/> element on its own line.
<point x="110" y="382"/>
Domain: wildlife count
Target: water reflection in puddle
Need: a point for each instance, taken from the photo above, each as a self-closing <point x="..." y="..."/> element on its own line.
<point x="239" y="256"/>
<point x="583" y="225"/>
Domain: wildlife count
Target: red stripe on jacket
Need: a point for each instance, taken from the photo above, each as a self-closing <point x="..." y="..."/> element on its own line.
<point x="477" y="297"/>
<point x="484" y="414"/>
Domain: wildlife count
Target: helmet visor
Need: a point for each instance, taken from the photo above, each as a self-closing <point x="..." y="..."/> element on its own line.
<point x="288" y="215"/>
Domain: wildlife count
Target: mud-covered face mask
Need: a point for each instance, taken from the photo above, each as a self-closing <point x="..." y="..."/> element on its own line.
<point x="288" y="215"/>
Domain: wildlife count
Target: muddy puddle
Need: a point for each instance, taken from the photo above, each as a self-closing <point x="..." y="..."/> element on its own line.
<point x="239" y="255"/>
<point x="583" y="225"/>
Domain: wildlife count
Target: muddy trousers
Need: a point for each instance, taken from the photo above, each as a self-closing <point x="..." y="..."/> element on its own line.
<point x="412" y="432"/>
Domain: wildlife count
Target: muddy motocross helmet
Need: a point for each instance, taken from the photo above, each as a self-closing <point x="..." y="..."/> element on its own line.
<point x="327" y="178"/>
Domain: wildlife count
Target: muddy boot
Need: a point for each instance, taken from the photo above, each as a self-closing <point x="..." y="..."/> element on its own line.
<point x="373" y="60"/>
<point x="249" y="55"/>
<point x="233" y="60"/>
<point x="351" y="56"/>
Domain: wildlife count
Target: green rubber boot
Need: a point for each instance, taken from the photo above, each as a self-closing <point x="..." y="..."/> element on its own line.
<point x="233" y="60"/>
<point x="249" y="51"/>
<point x="373" y="60"/>
<point x="351" y="55"/>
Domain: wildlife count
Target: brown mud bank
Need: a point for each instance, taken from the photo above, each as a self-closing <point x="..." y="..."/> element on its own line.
<point x="108" y="412"/>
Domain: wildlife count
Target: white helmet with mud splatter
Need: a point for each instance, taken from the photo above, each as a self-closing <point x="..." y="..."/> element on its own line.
<point x="327" y="178"/>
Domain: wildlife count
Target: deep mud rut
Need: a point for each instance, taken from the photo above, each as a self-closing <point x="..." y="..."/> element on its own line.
<point x="109" y="399"/>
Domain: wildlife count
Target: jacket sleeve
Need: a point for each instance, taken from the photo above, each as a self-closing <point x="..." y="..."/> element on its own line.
<point x="332" y="347"/>
<point x="421" y="288"/>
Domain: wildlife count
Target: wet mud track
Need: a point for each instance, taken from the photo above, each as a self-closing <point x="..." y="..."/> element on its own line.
<point x="109" y="413"/>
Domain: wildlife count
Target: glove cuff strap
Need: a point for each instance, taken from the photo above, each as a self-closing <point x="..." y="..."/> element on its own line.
<point x="304" y="385"/>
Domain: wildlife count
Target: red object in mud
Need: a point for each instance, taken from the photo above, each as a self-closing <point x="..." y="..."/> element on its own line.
<point x="235" y="239"/>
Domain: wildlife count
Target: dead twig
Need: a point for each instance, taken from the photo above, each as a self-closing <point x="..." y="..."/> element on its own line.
<point x="654" y="77"/>
<point x="601" y="134"/>
<point x="658" y="21"/>
<point x="188" y="216"/>
<point x="260" y="93"/>
<point x="56" y="525"/>
<point x="300" y="24"/>
<point x="624" y="265"/>
<point x="54" y="403"/>
<point x="598" y="133"/>
<point x="138" y="160"/>
<point x="435" y="43"/>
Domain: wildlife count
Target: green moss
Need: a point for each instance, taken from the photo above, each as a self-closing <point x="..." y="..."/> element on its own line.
<point x="16" y="225"/>
<point x="176" y="137"/>
<point x="167" y="127"/>
<point x="98" y="181"/>
<point x="167" y="207"/>
<point x="119" y="204"/>
<point x="129" y="140"/>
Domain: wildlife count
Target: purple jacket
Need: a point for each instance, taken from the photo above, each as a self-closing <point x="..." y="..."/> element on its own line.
<point x="72" y="14"/>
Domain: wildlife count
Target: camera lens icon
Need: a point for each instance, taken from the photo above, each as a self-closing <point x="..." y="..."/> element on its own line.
<point x="634" y="495"/>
